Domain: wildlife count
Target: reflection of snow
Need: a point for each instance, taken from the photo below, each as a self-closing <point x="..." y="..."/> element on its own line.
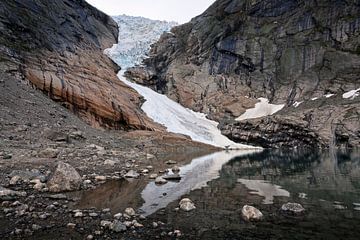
<point x="264" y="189"/>
<point x="195" y="175"/>
<point x="261" y="109"/>
<point x="351" y="94"/>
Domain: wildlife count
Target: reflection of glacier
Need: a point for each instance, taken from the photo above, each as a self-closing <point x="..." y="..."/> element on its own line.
<point x="264" y="189"/>
<point x="194" y="176"/>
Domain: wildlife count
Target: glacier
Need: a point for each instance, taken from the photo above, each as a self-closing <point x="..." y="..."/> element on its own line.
<point x="132" y="47"/>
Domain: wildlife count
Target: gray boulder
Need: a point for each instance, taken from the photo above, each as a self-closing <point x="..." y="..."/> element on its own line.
<point x="65" y="178"/>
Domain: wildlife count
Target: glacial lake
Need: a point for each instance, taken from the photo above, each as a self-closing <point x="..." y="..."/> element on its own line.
<point x="326" y="183"/>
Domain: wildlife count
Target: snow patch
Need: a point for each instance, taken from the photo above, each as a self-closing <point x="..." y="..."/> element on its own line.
<point x="329" y="95"/>
<point x="261" y="109"/>
<point x="351" y="94"/>
<point x="296" y="104"/>
<point x="178" y="119"/>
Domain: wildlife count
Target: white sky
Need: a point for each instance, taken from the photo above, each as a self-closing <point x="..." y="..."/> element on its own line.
<point x="180" y="11"/>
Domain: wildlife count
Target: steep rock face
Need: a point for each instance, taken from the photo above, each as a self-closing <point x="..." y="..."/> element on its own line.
<point x="286" y="51"/>
<point x="58" y="47"/>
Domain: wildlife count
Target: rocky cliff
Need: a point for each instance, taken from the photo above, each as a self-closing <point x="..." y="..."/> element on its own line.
<point x="304" y="54"/>
<point x="57" y="46"/>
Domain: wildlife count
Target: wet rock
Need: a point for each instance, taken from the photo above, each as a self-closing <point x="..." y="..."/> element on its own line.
<point x="48" y="153"/>
<point x="295" y="208"/>
<point x="250" y="213"/>
<point x="132" y="174"/>
<point x="7" y="156"/>
<point x="160" y="180"/>
<point x="130" y="211"/>
<point x="187" y="205"/>
<point x="118" y="226"/>
<point x="172" y="177"/>
<point x="65" y="178"/>
<point x="175" y="169"/>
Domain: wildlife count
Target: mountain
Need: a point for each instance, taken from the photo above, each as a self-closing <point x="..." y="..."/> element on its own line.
<point x="60" y="52"/>
<point x="136" y="36"/>
<point x="273" y="73"/>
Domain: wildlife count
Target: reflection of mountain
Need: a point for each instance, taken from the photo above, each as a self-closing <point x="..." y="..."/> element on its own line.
<point x="331" y="176"/>
<point x="319" y="174"/>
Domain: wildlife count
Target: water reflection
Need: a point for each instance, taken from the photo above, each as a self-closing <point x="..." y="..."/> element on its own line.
<point x="194" y="176"/>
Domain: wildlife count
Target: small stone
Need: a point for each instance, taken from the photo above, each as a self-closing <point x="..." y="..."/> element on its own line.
<point x="150" y="167"/>
<point x="15" y="180"/>
<point x="160" y="180"/>
<point x="132" y="174"/>
<point x="130" y="211"/>
<point x="128" y="223"/>
<point x="90" y="237"/>
<point x="250" y="213"/>
<point x="339" y="207"/>
<point x="186" y="205"/>
<point x="175" y="169"/>
<point x="78" y="215"/>
<point x="177" y="233"/>
<point x="170" y="162"/>
<point x="71" y="225"/>
<point x="48" y="153"/>
<point x="105" y="224"/>
<point x="153" y="176"/>
<point x="145" y="171"/>
<point x="109" y="162"/>
<point x="58" y="196"/>
<point x="100" y="178"/>
<point x="172" y="177"/>
<point x="93" y="214"/>
<point x="150" y="156"/>
<point x="106" y="210"/>
<point x="295" y="208"/>
<point x="155" y="225"/>
<point x="118" y="216"/>
<point x="35" y="227"/>
<point x="142" y="217"/>
<point x="98" y="233"/>
<point x="118" y="226"/>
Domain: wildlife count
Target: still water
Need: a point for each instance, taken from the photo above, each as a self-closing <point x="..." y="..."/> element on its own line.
<point x="326" y="183"/>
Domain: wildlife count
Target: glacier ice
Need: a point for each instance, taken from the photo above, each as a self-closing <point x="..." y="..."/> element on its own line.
<point x="136" y="36"/>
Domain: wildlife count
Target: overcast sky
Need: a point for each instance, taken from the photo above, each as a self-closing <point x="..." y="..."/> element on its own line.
<point x="180" y="11"/>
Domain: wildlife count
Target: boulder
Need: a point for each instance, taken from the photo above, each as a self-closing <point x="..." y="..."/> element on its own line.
<point x="295" y="208"/>
<point x="250" y="213"/>
<point x="65" y="178"/>
<point x="187" y="205"/>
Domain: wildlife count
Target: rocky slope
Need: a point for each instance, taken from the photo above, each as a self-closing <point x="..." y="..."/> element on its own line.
<point x="290" y="52"/>
<point x="61" y="53"/>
